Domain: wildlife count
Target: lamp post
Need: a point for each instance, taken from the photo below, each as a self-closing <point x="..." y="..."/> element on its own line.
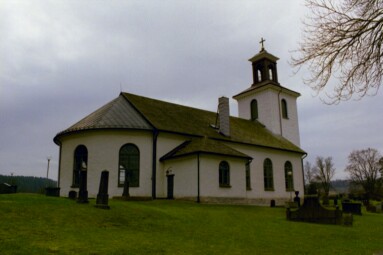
<point x="49" y="159"/>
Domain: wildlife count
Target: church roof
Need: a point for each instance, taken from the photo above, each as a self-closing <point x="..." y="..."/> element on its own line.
<point x="130" y="111"/>
<point x="180" y="119"/>
<point x="265" y="85"/>
<point x="203" y="145"/>
<point x="117" y="114"/>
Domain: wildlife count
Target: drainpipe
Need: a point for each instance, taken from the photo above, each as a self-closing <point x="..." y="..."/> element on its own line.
<point x="154" y="163"/>
<point x="303" y="173"/>
<point x="198" y="179"/>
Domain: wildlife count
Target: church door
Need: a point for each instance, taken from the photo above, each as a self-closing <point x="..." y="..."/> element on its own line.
<point x="170" y="179"/>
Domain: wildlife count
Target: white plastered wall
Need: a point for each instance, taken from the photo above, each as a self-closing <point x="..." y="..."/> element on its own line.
<point x="278" y="159"/>
<point x="103" y="154"/>
<point x="269" y="112"/>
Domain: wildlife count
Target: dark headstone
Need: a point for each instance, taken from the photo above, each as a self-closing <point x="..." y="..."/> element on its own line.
<point x="125" y="193"/>
<point x="335" y="201"/>
<point x="72" y="194"/>
<point x="313" y="211"/>
<point x="102" y="196"/>
<point x="350" y="207"/>
<point x="83" y="192"/>
<point x="52" y="191"/>
<point x="6" y="188"/>
<point x="297" y="199"/>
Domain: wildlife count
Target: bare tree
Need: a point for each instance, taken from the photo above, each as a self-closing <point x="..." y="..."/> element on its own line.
<point x="364" y="167"/>
<point x="323" y="173"/>
<point x="343" y="39"/>
<point x="308" y="173"/>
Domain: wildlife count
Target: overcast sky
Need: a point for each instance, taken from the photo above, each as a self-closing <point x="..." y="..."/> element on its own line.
<point x="61" y="60"/>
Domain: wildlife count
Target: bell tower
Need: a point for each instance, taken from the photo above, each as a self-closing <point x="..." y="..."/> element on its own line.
<point x="266" y="101"/>
<point x="264" y="67"/>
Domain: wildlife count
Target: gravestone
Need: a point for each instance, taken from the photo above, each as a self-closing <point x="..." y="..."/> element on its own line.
<point x="102" y="196"/>
<point x="72" y="194"/>
<point x="297" y="199"/>
<point x="52" y="191"/>
<point x="125" y="192"/>
<point x="350" y="207"/>
<point x="313" y="211"/>
<point x="83" y="191"/>
<point x="272" y="203"/>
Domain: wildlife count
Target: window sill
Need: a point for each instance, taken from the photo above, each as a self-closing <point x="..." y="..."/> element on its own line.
<point x="74" y="186"/>
<point x="225" y="186"/>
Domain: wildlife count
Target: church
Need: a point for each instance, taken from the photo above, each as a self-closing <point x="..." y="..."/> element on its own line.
<point x="166" y="150"/>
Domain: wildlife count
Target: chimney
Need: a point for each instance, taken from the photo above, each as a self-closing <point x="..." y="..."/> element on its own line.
<point x="224" y="116"/>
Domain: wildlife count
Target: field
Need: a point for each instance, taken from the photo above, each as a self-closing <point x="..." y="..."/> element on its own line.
<point x="35" y="224"/>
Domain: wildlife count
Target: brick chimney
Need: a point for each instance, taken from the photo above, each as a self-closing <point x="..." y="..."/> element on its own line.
<point x="224" y="116"/>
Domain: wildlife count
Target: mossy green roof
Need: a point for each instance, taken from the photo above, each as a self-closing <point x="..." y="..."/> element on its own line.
<point x="129" y="111"/>
<point x="175" y="118"/>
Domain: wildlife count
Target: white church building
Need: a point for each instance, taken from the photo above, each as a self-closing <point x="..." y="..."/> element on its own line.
<point x="168" y="150"/>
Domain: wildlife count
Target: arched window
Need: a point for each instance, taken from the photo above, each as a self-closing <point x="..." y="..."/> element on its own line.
<point x="284" y="109"/>
<point x="268" y="174"/>
<point x="259" y="75"/>
<point x="289" y="183"/>
<point x="224" y="174"/>
<point x="271" y="73"/>
<point x="80" y="163"/>
<point x="254" y="109"/>
<point x="129" y="165"/>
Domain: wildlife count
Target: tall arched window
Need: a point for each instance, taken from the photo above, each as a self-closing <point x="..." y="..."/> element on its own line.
<point x="268" y="174"/>
<point x="289" y="183"/>
<point x="254" y="109"/>
<point x="224" y="174"/>
<point x="285" y="114"/>
<point x="80" y="162"/>
<point x="259" y="75"/>
<point x="129" y="165"/>
<point x="271" y="73"/>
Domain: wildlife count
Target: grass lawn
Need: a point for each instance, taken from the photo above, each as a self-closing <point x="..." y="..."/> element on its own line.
<point x="35" y="224"/>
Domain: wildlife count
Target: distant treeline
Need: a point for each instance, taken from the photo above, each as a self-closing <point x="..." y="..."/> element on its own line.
<point x="28" y="184"/>
<point x="341" y="186"/>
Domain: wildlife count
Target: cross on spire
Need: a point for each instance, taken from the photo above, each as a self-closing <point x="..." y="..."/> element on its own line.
<point x="261" y="42"/>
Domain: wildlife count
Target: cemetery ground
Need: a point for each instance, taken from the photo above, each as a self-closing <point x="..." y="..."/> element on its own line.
<point x="36" y="224"/>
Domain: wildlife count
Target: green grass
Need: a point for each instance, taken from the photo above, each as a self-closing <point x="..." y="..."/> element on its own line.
<point x="35" y="224"/>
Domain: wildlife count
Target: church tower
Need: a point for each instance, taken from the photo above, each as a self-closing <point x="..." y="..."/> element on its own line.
<point x="267" y="101"/>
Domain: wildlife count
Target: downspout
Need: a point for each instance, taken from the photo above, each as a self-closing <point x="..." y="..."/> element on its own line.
<point x="154" y="163"/>
<point x="198" y="180"/>
<point x="59" y="172"/>
<point x="303" y="172"/>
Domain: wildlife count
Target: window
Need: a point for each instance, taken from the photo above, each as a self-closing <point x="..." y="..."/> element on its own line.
<point x="224" y="174"/>
<point x="259" y="75"/>
<point x="129" y="165"/>
<point x="254" y="109"/>
<point x="271" y="74"/>
<point x="80" y="162"/>
<point x="284" y="109"/>
<point x="248" y="180"/>
<point x="289" y="176"/>
<point x="268" y="174"/>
